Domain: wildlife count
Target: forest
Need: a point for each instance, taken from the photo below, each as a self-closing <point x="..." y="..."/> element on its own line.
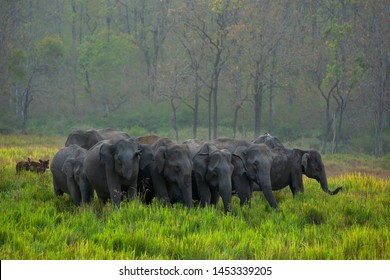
<point x="315" y="72"/>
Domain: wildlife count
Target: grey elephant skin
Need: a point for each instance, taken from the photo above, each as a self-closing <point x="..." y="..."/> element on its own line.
<point x="112" y="167"/>
<point x="87" y="139"/>
<point x="69" y="176"/>
<point x="212" y="173"/>
<point x="170" y="173"/>
<point x="290" y="164"/>
<point x="252" y="164"/>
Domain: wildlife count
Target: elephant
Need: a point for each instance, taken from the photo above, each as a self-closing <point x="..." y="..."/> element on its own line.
<point x="170" y="173"/>
<point x="212" y="171"/>
<point x="290" y="164"/>
<point x="87" y="139"/>
<point x="112" y="167"/>
<point x="270" y="141"/>
<point x="68" y="174"/>
<point x="252" y="164"/>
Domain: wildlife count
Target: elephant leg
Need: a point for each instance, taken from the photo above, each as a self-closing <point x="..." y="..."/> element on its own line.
<point x="160" y="187"/>
<point x="86" y="193"/>
<point x="58" y="192"/>
<point x="145" y="188"/>
<point x="203" y="191"/>
<point x="132" y="191"/>
<point x="214" y="197"/>
<point x="147" y="193"/>
<point x="296" y="184"/>
<point x="102" y="200"/>
<point x="242" y="185"/>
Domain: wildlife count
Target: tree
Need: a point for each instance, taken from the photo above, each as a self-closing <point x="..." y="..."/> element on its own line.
<point x="24" y="67"/>
<point x="148" y="22"/>
<point x="195" y="52"/>
<point x="265" y="29"/>
<point x="209" y="23"/>
<point x="376" y="46"/>
<point x="171" y="85"/>
<point x="11" y="25"/>
<point x="105" y="58"/>
<point x="337" y="72"/>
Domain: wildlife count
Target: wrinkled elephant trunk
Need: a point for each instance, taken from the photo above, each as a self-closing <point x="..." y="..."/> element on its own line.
<point x="324" y="185"/>
<point x="225" y="191"/>
<point x="264" y="181"/>
<point x="186" y="194"/>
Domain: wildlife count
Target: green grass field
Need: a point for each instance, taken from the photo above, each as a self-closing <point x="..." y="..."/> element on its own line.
<point x="35" y="224"/>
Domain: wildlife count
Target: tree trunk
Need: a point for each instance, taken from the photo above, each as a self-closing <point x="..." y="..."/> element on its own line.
<point x="196" y="111"/>
<point x="328" y="117"/>
<point x="73" y="58"/>
<point x="258" y="95"/>
<point x="380" y="114"/>
<point x="215" y="108"/>
<point x="174" y="120"/>
<point x="209" y="115"/>
<point x="271" y="91"/>
<point x="27" y="99"/>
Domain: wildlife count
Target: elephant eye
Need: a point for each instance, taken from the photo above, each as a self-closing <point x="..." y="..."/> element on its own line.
<point x="177" y="169"/>
<point x="254" y="165"/>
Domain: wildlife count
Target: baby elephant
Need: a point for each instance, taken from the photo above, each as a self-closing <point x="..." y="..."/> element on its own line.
<point x="68" y="174"/>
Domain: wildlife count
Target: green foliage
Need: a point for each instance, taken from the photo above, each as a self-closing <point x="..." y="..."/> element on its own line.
<point x="17" y="64"/>
<point x="101" y="60"/>
<point x="35" y="224"/>
<point x="218" y="7"/>
<point x="50" y="51"/>
<point x="336" y="35"/>
<point x="104" y="51"/>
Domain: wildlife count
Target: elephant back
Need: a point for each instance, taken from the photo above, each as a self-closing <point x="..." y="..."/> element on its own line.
<point x="162" y="142"/>
<point x="148" y="139"/>
<point x="270" y="141"/>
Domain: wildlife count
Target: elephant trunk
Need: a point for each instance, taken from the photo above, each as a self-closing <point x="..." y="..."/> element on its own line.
<point x="324" y="185"/>
<point x="225" y="191"/>
<point x="186" y="191"/>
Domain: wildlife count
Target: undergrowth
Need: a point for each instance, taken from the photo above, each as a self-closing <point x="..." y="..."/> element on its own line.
<point x="35" y="224"/>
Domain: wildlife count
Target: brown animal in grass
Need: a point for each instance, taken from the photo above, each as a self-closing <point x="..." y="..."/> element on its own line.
<point x="23" y="165"/>
<point x="39" y="167"/>
<point x="34" y="166"/>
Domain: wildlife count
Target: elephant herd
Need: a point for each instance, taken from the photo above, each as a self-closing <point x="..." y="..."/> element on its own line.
<point x="115" y="165"/>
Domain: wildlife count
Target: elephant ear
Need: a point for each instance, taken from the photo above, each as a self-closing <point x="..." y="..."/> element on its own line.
<point x="200" y="162"/>
<point x="67" y="167"/>
<point x="305" y="159"/>
<point x="106" y="154"/>
<point x="160" y="158"/>
<point x="146" y="155"/>
<point x="239" y="161"/>
<point x="92" y="137"/>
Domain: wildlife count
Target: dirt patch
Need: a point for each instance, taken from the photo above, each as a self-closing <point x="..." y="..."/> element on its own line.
<point x="335" y="171"/>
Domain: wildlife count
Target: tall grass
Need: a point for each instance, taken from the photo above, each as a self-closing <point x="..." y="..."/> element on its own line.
<point x="35" y="224"/>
